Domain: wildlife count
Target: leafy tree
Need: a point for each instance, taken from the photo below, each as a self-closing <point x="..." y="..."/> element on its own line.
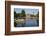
<point x="38" y="14"/>
<point x="14" y="14"/>
<point x="23" y="13"/>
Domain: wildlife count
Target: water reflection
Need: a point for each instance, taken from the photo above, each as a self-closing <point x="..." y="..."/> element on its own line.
<point x="28" y="23"/>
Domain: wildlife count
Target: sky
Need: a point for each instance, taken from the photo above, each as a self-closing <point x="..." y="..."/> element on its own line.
<point x="27" y="11"/>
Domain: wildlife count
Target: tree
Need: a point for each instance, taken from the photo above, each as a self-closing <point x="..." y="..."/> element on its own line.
<point x="23" y="13"/>
<point x="38" y="14"/>
<point x="15" y="14"/>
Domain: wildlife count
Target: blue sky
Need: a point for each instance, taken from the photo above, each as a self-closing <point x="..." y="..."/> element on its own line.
<point x="27" y="11"/>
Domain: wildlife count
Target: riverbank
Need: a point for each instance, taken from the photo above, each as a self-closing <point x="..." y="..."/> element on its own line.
<point x="19" y="20"/>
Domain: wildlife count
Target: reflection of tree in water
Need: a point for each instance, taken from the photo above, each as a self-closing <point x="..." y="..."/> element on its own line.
<point x="23" y="24"/>
<point x="15" y="24"/>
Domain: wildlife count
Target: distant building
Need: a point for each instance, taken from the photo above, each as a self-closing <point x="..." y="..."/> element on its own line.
<point x="31" y="16"/>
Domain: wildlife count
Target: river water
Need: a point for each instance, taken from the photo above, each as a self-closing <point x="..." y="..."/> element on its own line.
<point x="29" y="23"/>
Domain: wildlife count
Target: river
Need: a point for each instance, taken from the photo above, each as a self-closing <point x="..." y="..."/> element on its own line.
<point x="29" y="23"/>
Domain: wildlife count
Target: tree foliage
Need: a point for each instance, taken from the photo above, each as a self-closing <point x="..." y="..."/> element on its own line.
<point x="19" y="15"/>
<point x="15" y="14"/>
<point x="23" y="13"/>
<point x="38" y="14"/>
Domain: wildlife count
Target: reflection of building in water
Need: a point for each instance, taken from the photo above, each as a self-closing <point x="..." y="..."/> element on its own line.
<point x="27" y="15"/>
